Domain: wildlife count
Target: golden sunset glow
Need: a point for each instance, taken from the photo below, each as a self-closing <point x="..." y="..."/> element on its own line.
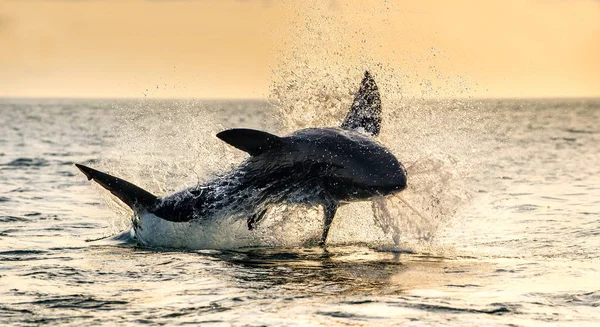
<point x="229" y="49"/>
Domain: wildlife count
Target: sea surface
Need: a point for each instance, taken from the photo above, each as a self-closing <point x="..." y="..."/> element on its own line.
<point x="500" y="225"/>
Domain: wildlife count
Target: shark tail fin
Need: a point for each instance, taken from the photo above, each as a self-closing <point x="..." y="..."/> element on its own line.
<point x="365" y="112"/>
<point x="132" y="195"/>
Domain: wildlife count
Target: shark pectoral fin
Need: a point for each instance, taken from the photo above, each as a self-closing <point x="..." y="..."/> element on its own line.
<point x="250" y="140"/>
<point x="255" y="219"/>
<point x="329" y="208"/>
<point x="130" y="194"/>
<point x="365" y="113"/>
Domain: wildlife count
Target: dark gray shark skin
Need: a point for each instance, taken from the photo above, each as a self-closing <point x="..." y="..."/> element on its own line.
<point x="313" y="166"/>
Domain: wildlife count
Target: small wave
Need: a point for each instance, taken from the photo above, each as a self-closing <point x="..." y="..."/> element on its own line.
<point x="346" y="315"/>
<point x="21" y="190"/>
<point x="525" y="207"/>
<point x="79" y="301"/>
<point x="587" y="299"/>
<point x="11" y="312"/>
<point x="65" y="154"/>
<point x="205" y="309"/>
<point x="20" y="255"/>
<point x="28" y="162"/>
<point x="463" y="285"/>
<point x="499" y="309"/>
<point x="567" y="139"/>
<point x="12" y="219"/>
<point x="66" y="173"/>
<point x="579" y="131"/>
<point x="22" y="252"/>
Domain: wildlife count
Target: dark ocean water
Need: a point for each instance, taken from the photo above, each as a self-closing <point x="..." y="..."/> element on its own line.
<point x="507" y="231"/>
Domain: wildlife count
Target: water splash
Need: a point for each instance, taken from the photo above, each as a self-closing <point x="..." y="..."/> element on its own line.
<point x="435" y="195"/>
<point x="326" y="49"/>
<point x="314" y="84"/>
<point x="166" y="147"/>
<point x="165" y="151"/>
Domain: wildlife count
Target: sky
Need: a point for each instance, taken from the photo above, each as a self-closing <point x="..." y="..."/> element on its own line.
<point x="240" y="49"/>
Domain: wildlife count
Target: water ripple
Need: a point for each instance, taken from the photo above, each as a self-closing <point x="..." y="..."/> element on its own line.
<point x="27" y="162"/>
<point x="78" y="301"/>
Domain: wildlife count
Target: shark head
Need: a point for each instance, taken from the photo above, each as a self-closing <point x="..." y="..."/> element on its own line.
<point x="356" y="166"/>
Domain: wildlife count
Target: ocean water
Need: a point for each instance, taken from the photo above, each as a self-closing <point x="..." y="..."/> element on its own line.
<point x="500" y="224"/>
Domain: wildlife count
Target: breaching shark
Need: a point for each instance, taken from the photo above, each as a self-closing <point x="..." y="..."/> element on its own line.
<point x="314" y="166"/>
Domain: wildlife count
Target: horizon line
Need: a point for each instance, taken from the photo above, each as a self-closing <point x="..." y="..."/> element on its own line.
<point x="411" y="97"/>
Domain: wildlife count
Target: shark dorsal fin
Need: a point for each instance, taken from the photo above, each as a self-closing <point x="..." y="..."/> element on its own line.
<point x="250" y="140"/>
<point x="365" y="113"/>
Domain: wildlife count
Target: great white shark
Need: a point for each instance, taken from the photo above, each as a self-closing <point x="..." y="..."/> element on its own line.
<point x="314" y="166"/>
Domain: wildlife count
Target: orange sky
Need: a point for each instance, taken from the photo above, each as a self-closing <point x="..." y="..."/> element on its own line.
<point x="230" y="49"/>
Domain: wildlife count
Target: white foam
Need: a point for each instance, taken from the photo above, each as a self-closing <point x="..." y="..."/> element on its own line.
<point x="156" y="232"/>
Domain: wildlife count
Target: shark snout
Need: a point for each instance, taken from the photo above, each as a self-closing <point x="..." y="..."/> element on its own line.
<point x="396" y="181"/>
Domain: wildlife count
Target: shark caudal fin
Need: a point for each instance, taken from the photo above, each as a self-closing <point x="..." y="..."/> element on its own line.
<point x="133" y="196"/>
<point x="365" y="113"/>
